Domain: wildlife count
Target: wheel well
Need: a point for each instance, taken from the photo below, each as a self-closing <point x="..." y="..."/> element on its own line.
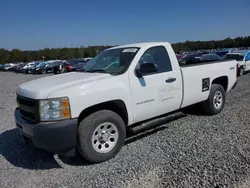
<point x="223" y="81"/>
<point x="117" y="106"/>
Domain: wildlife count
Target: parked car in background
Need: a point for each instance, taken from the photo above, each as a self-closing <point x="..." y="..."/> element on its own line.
<point x="78" y="65"/>
<point x="199" y="58"/>
<point x="15" y="68"/>
<point x="190" y="58"/>
<point x="223" y="52"/>
<point x="178" y="56"/>
<point x="7" y="67"/>
<point x="26" y="67"/>
<point x="12" y="67"/>
<point x="87" y="59"/>
<point x="243" y="59"/>
<point x="210" y="57"/>
<point x="19" y="69"/>
<point x="32" y="67"/>
<point x="1" y="67"/>
<point x="50" y="66"/>
<point x="72" y="65"/>
<point x="58" y="68"/>
<point x="40" y="69"/>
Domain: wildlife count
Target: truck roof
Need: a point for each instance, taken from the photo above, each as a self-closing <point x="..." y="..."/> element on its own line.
<point x="140" y="45"/>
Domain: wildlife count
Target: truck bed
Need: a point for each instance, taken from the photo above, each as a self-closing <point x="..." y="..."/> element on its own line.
<point x="197" y="79"/>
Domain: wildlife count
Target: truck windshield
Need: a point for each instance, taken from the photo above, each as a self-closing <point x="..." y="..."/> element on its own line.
<point x="113" y="61"/>
<point x="237" y="57"/>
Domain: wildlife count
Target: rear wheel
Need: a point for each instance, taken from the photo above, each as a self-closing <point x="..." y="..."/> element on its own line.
<point x="216" y="100"/>
<point x="101" y="135"/>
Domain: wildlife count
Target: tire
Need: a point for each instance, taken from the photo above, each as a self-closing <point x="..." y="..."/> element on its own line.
<point x="214" y="106"/>
<point x="89" y="145"/>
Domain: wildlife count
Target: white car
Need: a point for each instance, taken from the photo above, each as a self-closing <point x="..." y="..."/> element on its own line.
<point x="243" y="59"/>
<point x="26" y="67"/>
<point x="92" y="110"/>
<point x="8" y="66"/>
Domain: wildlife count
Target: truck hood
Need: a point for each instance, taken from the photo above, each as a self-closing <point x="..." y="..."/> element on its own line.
<point x="41" y="88"/>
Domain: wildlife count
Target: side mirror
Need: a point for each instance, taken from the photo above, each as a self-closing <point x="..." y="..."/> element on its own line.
<point x="146" y="68"/>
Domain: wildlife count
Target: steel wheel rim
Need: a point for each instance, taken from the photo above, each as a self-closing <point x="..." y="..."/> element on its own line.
<point x="105" y="137"/>
<point x="218" y="99"/>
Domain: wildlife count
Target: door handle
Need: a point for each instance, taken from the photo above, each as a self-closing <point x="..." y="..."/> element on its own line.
<point x="169" y="80"/>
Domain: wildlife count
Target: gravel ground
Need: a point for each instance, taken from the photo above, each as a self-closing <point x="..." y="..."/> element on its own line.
<point x="193" y="151"/>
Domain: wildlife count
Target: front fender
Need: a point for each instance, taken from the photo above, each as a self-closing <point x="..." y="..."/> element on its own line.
<point x="84" y="96"/>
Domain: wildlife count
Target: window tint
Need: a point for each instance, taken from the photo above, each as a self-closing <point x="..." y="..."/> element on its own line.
<point x="159" y="56"/>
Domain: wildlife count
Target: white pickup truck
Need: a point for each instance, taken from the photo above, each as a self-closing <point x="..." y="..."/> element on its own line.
<point x="122" y="86"/>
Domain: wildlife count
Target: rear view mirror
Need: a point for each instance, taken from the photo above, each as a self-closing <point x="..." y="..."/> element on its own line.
<point x="146" y="68"/>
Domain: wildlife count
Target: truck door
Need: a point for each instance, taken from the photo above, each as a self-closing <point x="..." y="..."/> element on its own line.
<point x="158" y="93"/>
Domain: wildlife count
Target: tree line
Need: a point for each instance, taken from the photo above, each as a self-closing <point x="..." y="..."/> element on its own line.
<point x="213" y="44"/>
<point x="17" y="55"/>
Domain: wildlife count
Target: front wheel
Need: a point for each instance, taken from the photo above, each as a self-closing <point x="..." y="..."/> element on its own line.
<point x="101" y="135"/>
<point x="216" y="100"/>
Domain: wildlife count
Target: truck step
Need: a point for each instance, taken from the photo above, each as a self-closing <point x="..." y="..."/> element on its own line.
<point x="140" y="127"/>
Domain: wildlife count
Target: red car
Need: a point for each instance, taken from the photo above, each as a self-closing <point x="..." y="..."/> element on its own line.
<point x="73" y="65"/>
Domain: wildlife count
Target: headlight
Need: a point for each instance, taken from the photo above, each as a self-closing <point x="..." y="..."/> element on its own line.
<point x="54" y="109"/>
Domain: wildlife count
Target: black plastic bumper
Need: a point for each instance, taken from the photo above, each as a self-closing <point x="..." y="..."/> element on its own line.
<point x="57" y="137"/>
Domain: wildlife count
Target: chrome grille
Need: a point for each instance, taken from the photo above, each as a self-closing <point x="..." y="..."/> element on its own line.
<point x="28" y="108"/>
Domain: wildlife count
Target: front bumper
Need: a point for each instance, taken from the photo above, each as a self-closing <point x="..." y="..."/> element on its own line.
<point x="57" y="137"/>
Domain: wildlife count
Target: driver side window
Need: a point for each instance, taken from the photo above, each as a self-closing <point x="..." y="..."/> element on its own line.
<point x="159" y="56"/>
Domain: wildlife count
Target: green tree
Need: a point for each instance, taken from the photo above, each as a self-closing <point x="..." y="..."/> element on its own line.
<point x="17" y="55"/>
